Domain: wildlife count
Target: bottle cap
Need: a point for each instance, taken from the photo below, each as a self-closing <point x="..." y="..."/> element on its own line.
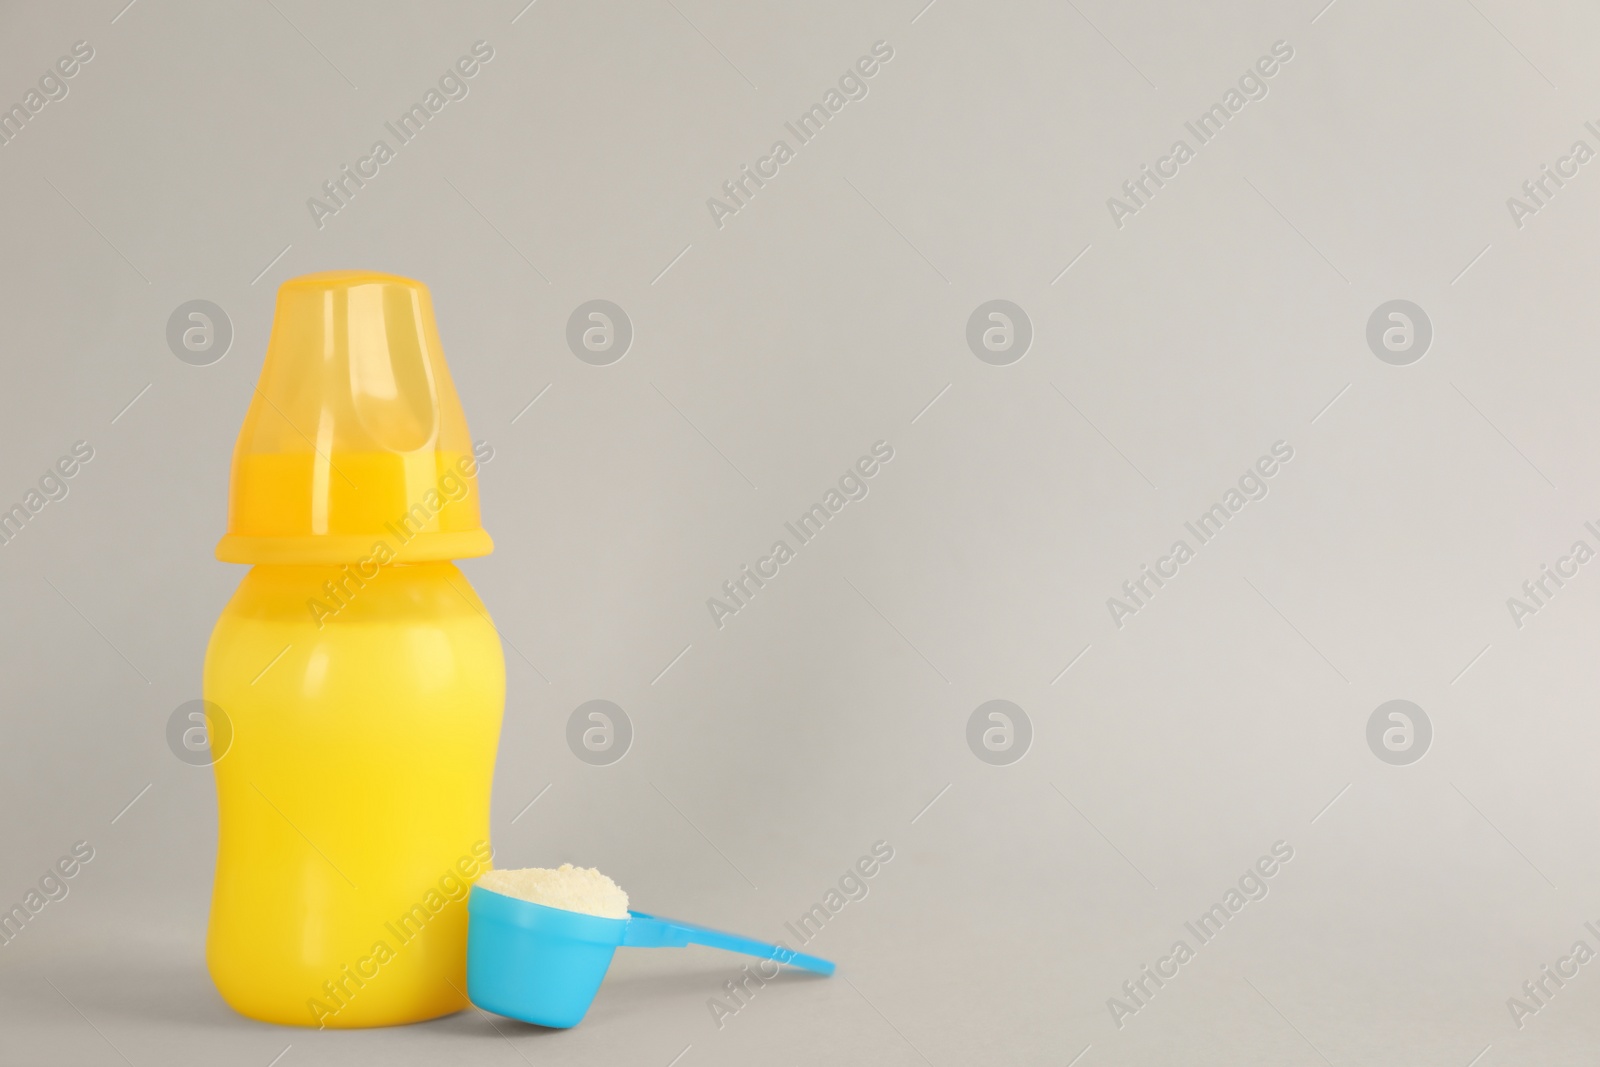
<point x="355" y="445"/>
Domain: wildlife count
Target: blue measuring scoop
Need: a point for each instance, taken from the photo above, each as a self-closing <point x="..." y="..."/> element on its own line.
<point x="544" y="965"/>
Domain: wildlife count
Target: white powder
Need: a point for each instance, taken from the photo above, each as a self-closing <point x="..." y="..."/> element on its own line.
<point x="567" y="887"/>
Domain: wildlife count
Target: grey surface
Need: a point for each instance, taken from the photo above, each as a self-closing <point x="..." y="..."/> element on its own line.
<point x="1229" y="313"/>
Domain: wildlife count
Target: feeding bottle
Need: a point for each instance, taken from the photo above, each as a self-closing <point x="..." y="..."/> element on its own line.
<point x="361" y="675"/>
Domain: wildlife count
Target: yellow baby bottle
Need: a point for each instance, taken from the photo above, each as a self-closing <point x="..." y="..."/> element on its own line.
<point x="360" y="674"/>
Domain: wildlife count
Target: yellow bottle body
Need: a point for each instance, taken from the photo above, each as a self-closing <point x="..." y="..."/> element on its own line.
<point x="354" y="795"/>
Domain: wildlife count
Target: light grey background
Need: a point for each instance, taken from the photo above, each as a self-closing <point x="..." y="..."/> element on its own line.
<point x="829" y="313"/>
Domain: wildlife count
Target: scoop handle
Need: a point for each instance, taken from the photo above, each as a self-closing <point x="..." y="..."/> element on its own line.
<point x="649" y="931"/>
